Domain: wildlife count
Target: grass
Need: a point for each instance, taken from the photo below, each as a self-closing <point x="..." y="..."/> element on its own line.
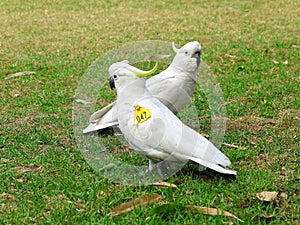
<point x="44" y="178"/>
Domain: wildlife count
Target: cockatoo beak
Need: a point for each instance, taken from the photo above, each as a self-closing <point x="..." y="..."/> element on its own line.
<point x="196" y="55"/>
<point x="112" y="83"/>
<point x="146" y="73"/>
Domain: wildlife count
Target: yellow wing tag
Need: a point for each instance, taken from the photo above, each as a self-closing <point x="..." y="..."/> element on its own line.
<point x="141" y="114"/>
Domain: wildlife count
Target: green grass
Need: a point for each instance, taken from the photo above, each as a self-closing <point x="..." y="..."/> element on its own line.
<point x="43" y="176"/>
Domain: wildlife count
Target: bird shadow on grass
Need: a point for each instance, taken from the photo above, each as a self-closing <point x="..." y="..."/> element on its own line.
<point x="191" y="169"/>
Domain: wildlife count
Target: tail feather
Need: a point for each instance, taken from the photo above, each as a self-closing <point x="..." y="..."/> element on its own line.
<point x="96" y="116"/>
<point x="213" y="166"/>
<point x="103" y="118"/>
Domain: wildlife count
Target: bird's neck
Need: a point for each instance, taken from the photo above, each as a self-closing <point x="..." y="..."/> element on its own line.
<point x="187" y="72"/>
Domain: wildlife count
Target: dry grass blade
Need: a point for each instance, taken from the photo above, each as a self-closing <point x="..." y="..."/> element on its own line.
<point x="213" y="212"/>
<point x="135" y="203"/>
<point x="18" y="74"/>
<point x="83" y="101"/>
<point x="162" y="184"/>
<point x="234" y="146"/>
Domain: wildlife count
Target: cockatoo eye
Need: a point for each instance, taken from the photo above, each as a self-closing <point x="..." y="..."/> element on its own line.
<point x="115" y="76"/>
<point x="186" y="52"/>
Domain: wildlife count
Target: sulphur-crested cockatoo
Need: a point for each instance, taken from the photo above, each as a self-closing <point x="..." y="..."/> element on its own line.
<point x="174" y="86"/>
<point x="154" y="131"/>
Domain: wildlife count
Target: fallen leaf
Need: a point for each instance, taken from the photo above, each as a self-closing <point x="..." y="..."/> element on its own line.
<point x="274" y="61"/>
<point x="162" y="184"/>
<point x="30" y="168"/>
<point x="295" y="46"/>
<point x="171" y="208"/>
<point x="213" y="212"/>
<point x="267" y="196"/>
<point x="18" y="74"/>
<point x="263" y="218"/>
<point x="135" y="203"/>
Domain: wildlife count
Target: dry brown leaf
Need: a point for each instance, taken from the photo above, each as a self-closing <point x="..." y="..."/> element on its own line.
<point x="213" y="212"/>
<point x="267" y="196"/>
<point x="30" y="168"/>
<point x="162" y="184"/>
<point x="18" y="74"/>
<point x="135" y="203"/>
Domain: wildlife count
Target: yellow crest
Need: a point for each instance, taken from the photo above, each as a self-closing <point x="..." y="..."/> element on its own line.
<point x="141" y="114"/>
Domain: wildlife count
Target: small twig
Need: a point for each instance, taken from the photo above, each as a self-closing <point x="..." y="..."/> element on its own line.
<point x="234" y="146"/>
<point x="19" y="74"/>
<point x="104" y="150"/>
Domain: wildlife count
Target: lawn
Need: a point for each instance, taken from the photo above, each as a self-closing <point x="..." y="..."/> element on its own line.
<point x="252" y="49"/>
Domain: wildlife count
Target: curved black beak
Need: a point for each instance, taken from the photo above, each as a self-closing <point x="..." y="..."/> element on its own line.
<point x="196" y="55"/>
<point x="112" y="83"/>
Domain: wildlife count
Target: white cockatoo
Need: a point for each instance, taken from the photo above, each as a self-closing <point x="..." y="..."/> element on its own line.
<point x="174" y="86"/>
<point x="153" y="130"/>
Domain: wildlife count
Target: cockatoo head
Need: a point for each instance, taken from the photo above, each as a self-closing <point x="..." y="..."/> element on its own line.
<point x="187" y="58"/>
<point x="123" y="73"/>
